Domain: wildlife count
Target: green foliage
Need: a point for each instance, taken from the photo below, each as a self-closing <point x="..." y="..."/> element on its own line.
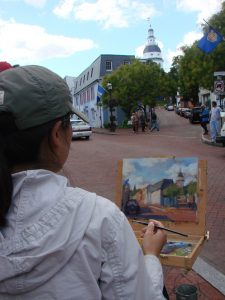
<point x="172" y="191"/>
<point x="192" y="188"/>
<point x="194" y="68"/>
<point x="125" y="124"/>
<point x="106" y="125"/>
<point x="136" y="85"/>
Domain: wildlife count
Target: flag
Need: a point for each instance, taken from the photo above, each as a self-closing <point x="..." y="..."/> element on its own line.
<point x="210" y="40"/>
<point x="100" y="92"/>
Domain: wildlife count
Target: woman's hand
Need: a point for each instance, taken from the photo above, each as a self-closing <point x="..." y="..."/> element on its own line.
<point x="153" y="238"/>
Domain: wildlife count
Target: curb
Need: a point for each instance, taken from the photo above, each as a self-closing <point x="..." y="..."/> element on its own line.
<point x="210" y="274"/>
<point x="103" y="132"/>
<point x="208" y="142"/>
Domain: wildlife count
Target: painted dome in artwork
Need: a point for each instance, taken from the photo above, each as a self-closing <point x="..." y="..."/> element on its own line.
<point x="152" y="51"/>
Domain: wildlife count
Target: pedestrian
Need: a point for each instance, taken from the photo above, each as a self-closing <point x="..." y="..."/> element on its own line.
<point x="214" y="120"/>
<point x="142" y="121"/>
<point x="132" y="118"/>
<point x="56" y="241"/>
<point x="154" y="121"/>
<point x="204" y="118"/>
<point x="135" y="122"/>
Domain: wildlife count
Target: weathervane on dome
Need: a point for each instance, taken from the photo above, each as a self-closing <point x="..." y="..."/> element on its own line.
<point x="148" y="20"/>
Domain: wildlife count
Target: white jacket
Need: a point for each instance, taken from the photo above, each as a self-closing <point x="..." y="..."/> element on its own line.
<point x="65" y="243"/>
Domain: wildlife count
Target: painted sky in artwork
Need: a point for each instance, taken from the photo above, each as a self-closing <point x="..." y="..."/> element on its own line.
<point x="144" y="171"/>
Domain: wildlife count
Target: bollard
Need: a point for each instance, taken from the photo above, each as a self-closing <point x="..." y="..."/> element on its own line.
<point x="186" y="292"/>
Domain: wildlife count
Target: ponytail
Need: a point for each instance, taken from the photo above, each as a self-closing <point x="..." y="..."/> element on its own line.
<point x="6" y="186"/>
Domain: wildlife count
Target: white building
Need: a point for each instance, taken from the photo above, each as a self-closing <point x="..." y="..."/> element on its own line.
<point x="152" y="50"/>
<point x="206" y="97"/>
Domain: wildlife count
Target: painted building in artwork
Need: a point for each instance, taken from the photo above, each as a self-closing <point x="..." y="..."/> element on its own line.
<point x="180" y="180"/>
<point x="155" y="191"/>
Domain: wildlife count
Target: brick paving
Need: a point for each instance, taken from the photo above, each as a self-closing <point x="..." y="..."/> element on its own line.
<point x="93" y="165"/>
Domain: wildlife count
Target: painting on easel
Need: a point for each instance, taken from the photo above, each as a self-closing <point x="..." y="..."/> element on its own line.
<point x="160" y="188"/>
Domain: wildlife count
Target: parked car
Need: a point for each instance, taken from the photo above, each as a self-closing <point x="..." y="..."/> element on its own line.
<point x="177" y="110"/>
<point x="170" y="108"/>
<point x="183" y="110"/>
<point x="195" y="115"/>
<point x="187" y="113"/>
<point x="80" y="129"/>
<point x="180" y="111"/>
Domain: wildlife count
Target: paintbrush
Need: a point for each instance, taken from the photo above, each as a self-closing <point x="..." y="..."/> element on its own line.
<point x="159" y="227"/>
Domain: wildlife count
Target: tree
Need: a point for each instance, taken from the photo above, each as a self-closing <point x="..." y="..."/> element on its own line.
<point x="135" y="85"/>
<point x="194" y="68"/>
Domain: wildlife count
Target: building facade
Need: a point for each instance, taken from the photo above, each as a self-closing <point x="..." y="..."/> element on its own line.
<point x="86" y="87"/>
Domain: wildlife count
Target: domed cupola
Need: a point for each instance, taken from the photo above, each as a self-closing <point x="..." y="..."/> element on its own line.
<point x="152" y="50"/>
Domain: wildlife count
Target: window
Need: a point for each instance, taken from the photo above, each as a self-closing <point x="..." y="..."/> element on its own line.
<point x="88" y="95"/>
<point x="84" y="97"/>
<point x="91" y="72"/>
<point x="92" y="93"/>
<point x="81" y="99"/>
<point x="126" y="62"/>
<point x="87" y="75"/>
<point x="84" y="79"/>
<point x="80" y="81"/>
<point x="108" y="65"/>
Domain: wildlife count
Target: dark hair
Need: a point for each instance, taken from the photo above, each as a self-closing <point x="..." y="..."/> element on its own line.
<point x="18" y="147"/>
<point x="214" y="103"/>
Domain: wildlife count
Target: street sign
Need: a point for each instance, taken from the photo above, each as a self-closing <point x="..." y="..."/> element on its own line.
<point x="219" y="86"/>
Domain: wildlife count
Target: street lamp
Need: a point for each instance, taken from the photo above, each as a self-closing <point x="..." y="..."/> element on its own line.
<point x="111" y="104"/>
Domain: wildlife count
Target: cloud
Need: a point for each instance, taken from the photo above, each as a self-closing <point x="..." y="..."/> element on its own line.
<point x="28" y="43"/>
<point x="36" y="3"/>
<point x="110" y="13"/>
<point x="64" y="8"/>
<point x="206" y="8"/>
<point x="188" y="40"/>
<point x="189" y="172"/>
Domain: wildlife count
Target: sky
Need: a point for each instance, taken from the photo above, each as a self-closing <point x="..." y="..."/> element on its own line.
<point x="66" y="36"/>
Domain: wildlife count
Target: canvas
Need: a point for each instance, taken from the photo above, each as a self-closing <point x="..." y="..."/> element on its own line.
<point x="160" y="188"/>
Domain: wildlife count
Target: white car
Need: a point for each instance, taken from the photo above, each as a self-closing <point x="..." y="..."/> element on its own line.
<point x="170" y="108"/>
<point x="80" y="129"/>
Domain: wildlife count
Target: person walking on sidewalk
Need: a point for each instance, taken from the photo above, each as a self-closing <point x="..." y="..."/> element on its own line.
<point x="142" y="121"/>
<point x="214" y="121"/>
<point x="57" y="241"/>
<point x="204" y="118"/>
<point x="154" y="121"/>
<point x="135" y="122"/>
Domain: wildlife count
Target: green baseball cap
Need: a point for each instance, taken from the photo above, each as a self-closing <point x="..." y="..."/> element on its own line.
<point x="35" y="95"/>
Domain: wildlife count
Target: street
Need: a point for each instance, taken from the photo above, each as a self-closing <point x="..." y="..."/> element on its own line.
<point x="92" y="165"/>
